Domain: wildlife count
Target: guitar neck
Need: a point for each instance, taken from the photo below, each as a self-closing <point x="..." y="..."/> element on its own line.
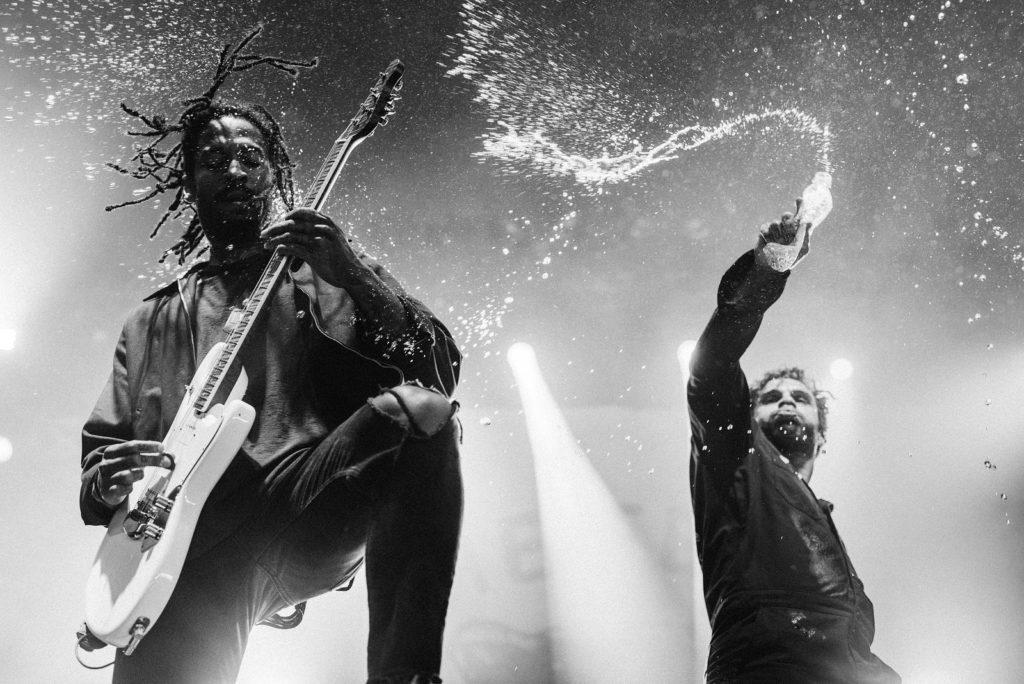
<point x="269" y="280"/>
<point x="330" y="170"/>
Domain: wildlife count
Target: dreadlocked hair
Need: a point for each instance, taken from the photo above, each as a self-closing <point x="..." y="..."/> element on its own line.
<point x="170" y="170"/>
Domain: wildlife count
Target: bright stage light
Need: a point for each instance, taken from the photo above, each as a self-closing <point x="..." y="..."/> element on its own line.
<point x="611" y="610"/>
<point x="6" y="450"/>
<point x="7" y="337"/>
<point x="520" y="353"/>
<point x="684" y="352"/>
<point x="841" y="369"/>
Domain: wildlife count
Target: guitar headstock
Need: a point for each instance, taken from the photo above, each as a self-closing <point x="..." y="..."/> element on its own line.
<point x="379" y="104"/>
<point x="374" y="111"/>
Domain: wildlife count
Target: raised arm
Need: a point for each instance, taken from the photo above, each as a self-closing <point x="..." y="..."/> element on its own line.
<point x="719" y="398"/>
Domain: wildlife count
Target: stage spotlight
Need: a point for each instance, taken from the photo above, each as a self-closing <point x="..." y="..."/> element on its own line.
<point x="841" y="369"/>
<point x="520" y="353"/>
<point x="683" y="354"/>
<point x="613" y="616"/>
<point x="7" y="337"/>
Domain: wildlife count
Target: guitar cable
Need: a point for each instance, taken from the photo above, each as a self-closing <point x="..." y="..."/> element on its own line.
<point x="87" y="641"/>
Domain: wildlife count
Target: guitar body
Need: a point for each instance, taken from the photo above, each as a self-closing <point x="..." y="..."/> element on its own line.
<point x="133" y="576"/>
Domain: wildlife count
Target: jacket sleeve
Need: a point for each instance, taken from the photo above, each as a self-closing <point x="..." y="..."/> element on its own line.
<point x="110" y="423"/>
<point x="424" y="350"/>
<point x="415" y="342"/>
<point x="717" y="392"/>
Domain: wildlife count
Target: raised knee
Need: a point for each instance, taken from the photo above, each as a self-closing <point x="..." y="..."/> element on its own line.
<point x="421" y="411"/>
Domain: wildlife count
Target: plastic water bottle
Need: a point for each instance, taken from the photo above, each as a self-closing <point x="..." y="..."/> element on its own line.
<point x="815" y="204"/>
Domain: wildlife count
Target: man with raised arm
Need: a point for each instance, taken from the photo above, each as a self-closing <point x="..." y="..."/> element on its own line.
<point x="353" y="453"/>
<point x="785" y="603"/>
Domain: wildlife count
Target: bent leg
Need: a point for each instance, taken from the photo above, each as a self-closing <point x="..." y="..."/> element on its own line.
<point x="386" y="483"/>
<point x="413" y="540"/>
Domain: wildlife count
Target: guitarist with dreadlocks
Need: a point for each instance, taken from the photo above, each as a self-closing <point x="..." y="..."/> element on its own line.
<point x="334" y="470"/>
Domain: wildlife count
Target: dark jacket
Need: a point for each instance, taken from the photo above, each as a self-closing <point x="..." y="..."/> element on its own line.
<point x="784" y="600"/>
<point x="338" y="364"/>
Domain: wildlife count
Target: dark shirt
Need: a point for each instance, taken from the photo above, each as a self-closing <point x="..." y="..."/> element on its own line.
<point x="784" y="600"/>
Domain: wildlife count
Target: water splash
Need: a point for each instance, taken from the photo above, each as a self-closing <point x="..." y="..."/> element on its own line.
<point x="83" y="56"/>
<point x="537" y="149"/>
<point x="555" y="110"/>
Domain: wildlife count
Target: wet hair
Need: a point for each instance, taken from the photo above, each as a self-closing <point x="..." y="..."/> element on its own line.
<point x="821" y="397"/>
<point x="170" y="170"/>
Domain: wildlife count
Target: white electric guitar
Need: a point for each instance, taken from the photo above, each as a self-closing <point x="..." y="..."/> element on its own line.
<point x="148" y="538"/>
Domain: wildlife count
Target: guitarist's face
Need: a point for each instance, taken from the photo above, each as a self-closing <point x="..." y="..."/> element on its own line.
<point x="232" y="182"/>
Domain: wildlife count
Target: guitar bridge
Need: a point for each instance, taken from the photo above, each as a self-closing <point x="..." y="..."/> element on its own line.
<point x="147" y="520"/>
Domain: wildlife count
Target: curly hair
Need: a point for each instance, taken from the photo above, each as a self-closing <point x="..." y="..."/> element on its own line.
<point x="170" y="170"/>
<point x="821" y="397"/>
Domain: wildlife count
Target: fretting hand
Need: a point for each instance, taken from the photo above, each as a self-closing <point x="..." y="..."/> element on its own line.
<point x="316" y="239"/>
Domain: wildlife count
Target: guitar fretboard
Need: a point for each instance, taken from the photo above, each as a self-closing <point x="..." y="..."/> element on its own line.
<point x="329" y="172"/>
<point x="253" y="305"/>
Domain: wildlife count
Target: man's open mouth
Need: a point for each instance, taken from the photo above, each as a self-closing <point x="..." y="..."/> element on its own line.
<point x="236" y="196"/>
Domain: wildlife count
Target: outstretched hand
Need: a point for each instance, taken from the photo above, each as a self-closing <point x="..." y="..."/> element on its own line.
<point x="316" y="239"/>
<point x="780" y="245"/>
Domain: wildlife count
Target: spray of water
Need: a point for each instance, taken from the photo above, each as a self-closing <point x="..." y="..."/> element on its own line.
<point x="556" y="113"/>
<point x="541" y="152"/>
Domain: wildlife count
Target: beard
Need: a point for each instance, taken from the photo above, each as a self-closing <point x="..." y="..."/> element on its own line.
<point x="237" y="225"/>
<point x="790" y="436"/>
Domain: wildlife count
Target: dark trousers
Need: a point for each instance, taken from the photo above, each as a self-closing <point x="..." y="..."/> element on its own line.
<point x="771" y="644"/>
<point x="368" y="490"/>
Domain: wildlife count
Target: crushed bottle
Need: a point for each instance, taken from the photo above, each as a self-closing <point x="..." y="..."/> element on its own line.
<point x="815" y="205"/>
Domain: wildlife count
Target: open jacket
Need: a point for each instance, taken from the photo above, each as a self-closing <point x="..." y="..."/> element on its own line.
<point x="340" y="358"/>
<point x="784" y="600"/>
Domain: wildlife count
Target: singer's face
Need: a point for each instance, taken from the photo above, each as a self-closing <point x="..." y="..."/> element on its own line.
<point x="232" y="182"/>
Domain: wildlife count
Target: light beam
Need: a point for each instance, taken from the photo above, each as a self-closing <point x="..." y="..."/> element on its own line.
<point x="701" y="626"/>
<point x="610" y="608"/>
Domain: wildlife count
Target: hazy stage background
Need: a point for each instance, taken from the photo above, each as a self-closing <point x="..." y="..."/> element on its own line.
<point x="915" y="278"/>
